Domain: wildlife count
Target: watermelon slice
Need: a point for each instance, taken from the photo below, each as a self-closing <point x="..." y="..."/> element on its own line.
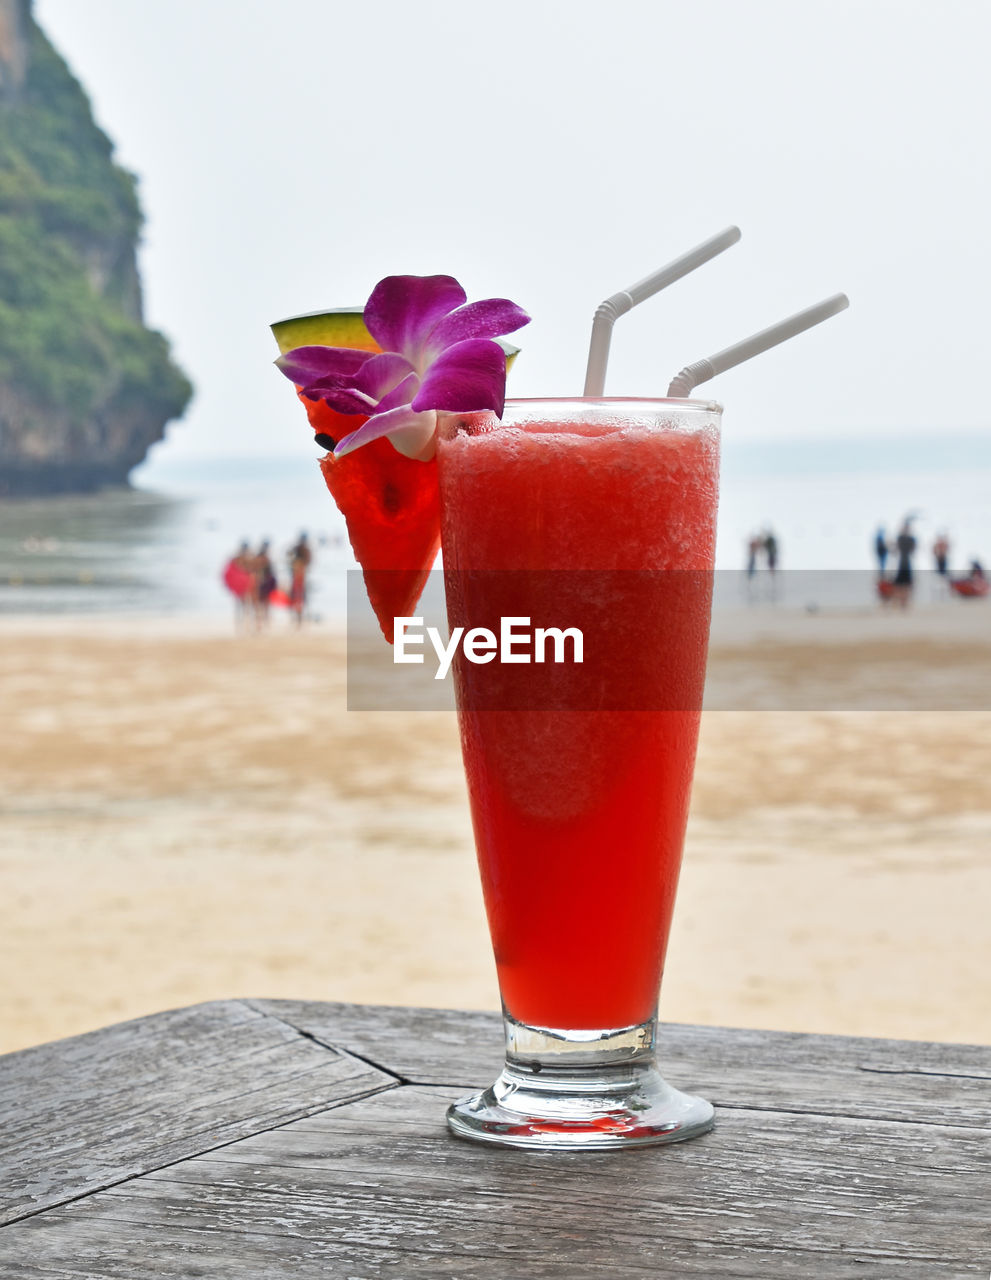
<point x="391" y="503"/>
<point x="344" y="327"/>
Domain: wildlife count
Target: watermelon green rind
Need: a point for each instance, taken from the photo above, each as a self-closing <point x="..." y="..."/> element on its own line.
<point x="343" y="327"/>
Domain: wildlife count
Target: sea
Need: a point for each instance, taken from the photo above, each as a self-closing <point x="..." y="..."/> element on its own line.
<point x="159" y="545"/>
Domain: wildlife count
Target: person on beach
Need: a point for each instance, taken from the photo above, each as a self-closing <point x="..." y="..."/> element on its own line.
<point x="239" y="579"/>
<point x="941" y="554"/>
<point x="881" y="550"/>
<point x="265" y="583"/>
<point x="300" y="558"/>
<point x="754" y="547"/>
<point x="772" y="553"/>
<point x="903" y="580"/>
<point x="763" y="549"/>
<point x="771" y="550"/>
<point x="975" y="585"/>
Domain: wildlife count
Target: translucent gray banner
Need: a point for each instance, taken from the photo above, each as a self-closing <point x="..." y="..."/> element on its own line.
<point x="830" y="640"/>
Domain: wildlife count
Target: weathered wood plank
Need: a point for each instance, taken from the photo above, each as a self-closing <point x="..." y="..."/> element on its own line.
<point x="376" y="1188"/>
<point x="831" y="1158"/>
<point x="84" y="1113"/>
<point x="833" y="1075"/>
<point x="106" y="1253"/>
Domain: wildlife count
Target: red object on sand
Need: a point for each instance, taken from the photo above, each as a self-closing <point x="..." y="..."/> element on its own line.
<point x="971" y="588"/>
<point x="278" y="596"/>
<point x="392" y="507"/>
<point x="237" y="580"/>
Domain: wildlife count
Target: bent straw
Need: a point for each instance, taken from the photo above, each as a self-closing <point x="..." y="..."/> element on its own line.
<point x="608" y="312"/>
<point x="702" y="370"/>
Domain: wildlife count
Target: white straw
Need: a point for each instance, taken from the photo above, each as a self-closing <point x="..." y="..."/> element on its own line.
<point x="608" y="312"/>
<point x="702" y="370"/>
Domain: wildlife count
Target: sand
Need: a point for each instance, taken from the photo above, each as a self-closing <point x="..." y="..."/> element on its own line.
<point x="188" y="815"/>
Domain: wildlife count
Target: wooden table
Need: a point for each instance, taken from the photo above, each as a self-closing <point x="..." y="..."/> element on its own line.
<point x="269" y="1139"/>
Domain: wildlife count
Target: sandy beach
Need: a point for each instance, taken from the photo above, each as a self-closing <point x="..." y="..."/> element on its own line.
<point x="186" y="814"/>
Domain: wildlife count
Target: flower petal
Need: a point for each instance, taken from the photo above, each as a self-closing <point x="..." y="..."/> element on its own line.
<point x="304" y="365"/>
<point x="466" y="377"/>
<point x="402" y="393"/>
<point x="382" y="373"/>
<point x="411" y="433"/>
<point x="402" y="310"/>
<point x="342" y="396"/>
<point x="374" y="393"/>
<point x="490" y="318"/>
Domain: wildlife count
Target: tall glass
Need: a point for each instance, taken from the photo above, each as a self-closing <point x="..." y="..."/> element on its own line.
<point x="597" y="515"/>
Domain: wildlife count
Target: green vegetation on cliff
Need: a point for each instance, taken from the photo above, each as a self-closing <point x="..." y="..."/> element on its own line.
<point x="73" y="348"/>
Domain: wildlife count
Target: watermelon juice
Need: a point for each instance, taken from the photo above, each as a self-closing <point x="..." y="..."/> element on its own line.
<point x="601" y="515"/>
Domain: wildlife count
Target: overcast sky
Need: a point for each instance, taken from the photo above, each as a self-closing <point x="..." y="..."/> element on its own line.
<point x="555" y="151"/>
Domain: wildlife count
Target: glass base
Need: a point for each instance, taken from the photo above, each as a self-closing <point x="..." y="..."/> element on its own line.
<point x="579" y="1091"/>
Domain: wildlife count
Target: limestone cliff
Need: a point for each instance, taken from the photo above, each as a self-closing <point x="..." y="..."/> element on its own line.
<point x="85" y="388"/>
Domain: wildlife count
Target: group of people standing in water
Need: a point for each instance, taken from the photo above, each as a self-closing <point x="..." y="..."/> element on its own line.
<point x="897" y="588"/>
<point x="250" y="577"/>
<point x="762" y="547"/>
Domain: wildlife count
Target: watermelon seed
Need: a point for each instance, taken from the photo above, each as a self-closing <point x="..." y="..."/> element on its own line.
<point x="325" y="441"/>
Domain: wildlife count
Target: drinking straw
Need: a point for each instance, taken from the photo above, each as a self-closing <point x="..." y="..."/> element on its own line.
<point x="608" y="312"/>
<point x="702" y="370"/>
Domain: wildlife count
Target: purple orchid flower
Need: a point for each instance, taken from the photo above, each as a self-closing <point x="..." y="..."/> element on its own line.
<point x="438" y="352"/>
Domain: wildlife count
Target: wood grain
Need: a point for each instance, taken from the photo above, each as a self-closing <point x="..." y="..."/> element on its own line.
<point x="266" y="1139"/>
<point x="83" y="1113"/>
<point x="776" y="1070"/>
<point x="377" y="1188"/>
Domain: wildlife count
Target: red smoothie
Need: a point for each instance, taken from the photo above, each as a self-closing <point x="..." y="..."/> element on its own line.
<point x="605" y="516"/>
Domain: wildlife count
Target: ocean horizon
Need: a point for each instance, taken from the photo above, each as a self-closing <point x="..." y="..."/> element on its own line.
<point x="159" y="545"/>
